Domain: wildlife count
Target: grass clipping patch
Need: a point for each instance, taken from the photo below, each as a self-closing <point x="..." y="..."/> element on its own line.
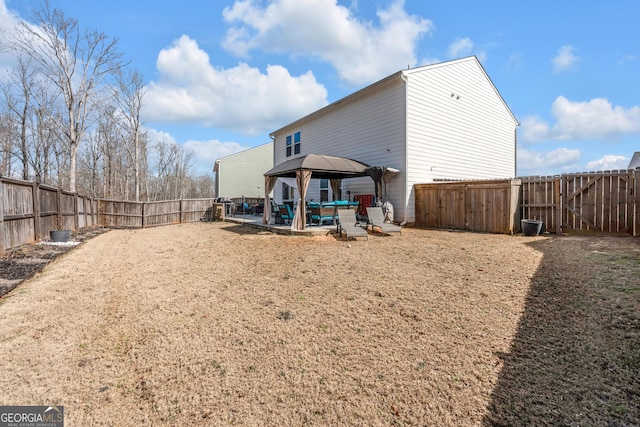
<point x="210" y="323"/>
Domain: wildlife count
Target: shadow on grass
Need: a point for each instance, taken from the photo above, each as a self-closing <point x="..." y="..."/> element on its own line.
<point x="575" y="359"/>
<point x="243" y="229"/>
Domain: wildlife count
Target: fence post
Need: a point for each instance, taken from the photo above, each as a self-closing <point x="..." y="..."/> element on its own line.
<point x="558" y="202"/>
<point x="35" y="195"/>
<point x="144" y="222"/>
<point x="180" y="215"/>
<point x="76" y="220"/>
<point x="636" y="209"/>
<point x="59" y="224"/>
<point x="2" y="244"/>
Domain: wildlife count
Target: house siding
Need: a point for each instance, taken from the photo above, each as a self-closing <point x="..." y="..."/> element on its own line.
<point x="410" y="121"/>
<point x="472" y="137"/>
<point x="369" y="129"/>
<point x="242" y="174"/>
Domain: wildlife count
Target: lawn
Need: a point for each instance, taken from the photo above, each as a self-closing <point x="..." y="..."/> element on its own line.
<point x="217" y="324"/>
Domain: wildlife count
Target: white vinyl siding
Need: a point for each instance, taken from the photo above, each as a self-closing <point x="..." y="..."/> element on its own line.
<point x="369" y="129"/>
<point x="417" y="128"/>
<point x="470" y="137"/>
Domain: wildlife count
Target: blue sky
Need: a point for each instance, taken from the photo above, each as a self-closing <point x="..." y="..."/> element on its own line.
<point x="223" y="74"/>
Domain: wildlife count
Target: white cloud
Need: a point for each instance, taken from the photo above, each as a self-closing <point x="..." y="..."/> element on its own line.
<point x="8" y="24"/>
<point x="564" y="59"/>
<point x="592" y="120"/>
<point x="460" y="47"/>
<point x="360" y="51"/>
<point x="205" y="152"/>
<point x="533" y="128"/>
<point x="241" y="98"/>
<point x="542" y="163"/>
<point x="628" y="58"/>
<point x="515" y="62"/>
<point x="609" y="162"/>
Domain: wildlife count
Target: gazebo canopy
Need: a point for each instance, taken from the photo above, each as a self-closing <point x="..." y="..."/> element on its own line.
<point x="304" y="168"/>
<point x="321" y="167"/>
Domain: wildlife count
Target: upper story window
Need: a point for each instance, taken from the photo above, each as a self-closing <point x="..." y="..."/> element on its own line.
<point x="296" y="143"/>
<point x="288" y="145"/>
<point x="292" y="145"/>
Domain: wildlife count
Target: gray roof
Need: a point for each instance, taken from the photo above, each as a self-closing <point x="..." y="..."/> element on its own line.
<point x="321" y="166"/>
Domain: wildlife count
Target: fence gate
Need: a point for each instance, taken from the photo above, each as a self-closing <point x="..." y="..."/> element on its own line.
<point x="599" y="201"/>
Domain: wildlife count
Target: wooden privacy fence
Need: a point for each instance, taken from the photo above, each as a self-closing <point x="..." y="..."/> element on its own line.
<point x="606" y="201"/>
<point x="29" y="210"/>
<point x="486" y="206"/>
<point x="115" y="213"/>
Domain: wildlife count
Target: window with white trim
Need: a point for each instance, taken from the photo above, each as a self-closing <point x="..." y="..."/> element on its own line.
<point x="288" y="146"/>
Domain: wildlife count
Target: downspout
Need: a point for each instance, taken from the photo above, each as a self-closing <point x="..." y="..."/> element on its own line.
<point x="515" y="152"/>
<point x="273" y="161"/>
<point x="216" y="169"/>
<point x="406" y="147"/>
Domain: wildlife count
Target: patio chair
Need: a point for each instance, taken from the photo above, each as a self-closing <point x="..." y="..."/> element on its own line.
<point x="285" y="213"/>
<point x="319" y="215"/>
<point x="376" y="219"/>
<point x="243" y="208"/>
<point x="349" y="224"/>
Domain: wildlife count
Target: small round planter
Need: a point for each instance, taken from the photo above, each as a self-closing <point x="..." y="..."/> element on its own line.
<point x="59" y="235"/>
<point x="531" y="227"/>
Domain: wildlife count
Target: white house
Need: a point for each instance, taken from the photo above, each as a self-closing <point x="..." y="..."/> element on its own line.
<point x="444" y="121"/>
<point x="241" y="174"/>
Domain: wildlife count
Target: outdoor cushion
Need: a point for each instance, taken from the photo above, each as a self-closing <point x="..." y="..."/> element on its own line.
<point x="321" y="214"/>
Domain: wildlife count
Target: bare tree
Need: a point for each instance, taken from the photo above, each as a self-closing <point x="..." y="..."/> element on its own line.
<point x="46" y="136"/>
<point x="108" y="139"/>
<point x="129" y="94"/>
<point x="6" y="139"/>
<point x="201" y="186"/>
<point x="172" y="165"/>
<point x="19" y="107"/>
<point x="76" y="62"/>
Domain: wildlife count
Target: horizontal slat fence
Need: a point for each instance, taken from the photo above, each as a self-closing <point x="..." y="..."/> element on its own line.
<point x="28" y="211"/>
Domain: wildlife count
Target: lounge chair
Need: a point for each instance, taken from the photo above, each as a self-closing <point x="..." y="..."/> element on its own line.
<point x="376" y="219"/>
<point x="350" y="225"/>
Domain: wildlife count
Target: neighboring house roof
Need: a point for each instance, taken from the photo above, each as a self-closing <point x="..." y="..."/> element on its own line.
<point x="635" y="161"/>
<point x="402" y="74"/>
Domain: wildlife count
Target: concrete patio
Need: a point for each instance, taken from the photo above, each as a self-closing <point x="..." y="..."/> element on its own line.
<point x="256" y="221"/>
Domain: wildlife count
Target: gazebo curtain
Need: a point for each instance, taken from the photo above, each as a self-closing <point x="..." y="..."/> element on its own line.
<point x="299" y="222"/>
<point x="269" y="184"/>
<point x="336" y="188"/>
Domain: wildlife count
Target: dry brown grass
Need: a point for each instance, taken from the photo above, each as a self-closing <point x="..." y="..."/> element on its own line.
<point x="214" y="324"/>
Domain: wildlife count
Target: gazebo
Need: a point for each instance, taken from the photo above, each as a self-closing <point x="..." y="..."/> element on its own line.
<point x="303" y="168"/>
